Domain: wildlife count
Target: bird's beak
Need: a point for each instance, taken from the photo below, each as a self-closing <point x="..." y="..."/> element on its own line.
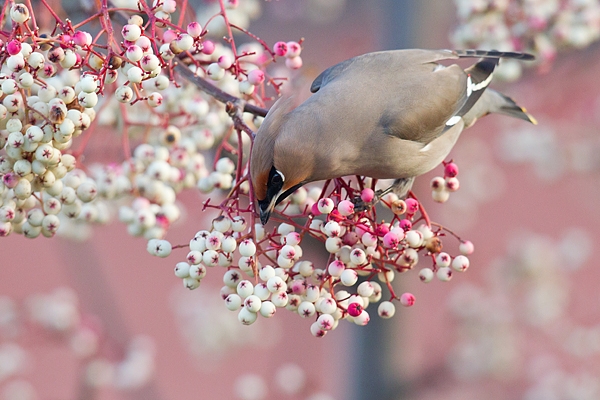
<point x="266" y="206"/>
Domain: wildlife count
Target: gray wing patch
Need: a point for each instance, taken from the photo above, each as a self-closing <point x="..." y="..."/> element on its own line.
<point x="397" y="58"/>
<point x="329" y="74"/>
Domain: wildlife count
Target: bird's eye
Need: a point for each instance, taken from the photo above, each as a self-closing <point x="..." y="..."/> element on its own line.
<point x="276" y="179"/>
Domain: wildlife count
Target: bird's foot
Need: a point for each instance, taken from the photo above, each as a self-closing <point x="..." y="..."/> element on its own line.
<point x="362" y="205"/>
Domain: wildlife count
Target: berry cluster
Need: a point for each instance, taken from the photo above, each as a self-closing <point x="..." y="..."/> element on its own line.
<point x="53" y="87"/>
<point x="441" y="187"/>
<point x="536" y="26"/>
<point x="265" y="270"/>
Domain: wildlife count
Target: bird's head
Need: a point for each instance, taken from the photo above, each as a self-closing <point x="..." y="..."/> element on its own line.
<point x="270" y="189"/>
<point x="267" y="189"/>
<point x="274" y="176"/>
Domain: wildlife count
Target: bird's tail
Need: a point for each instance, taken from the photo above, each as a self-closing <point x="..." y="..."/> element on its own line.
<point x="480" y="99"/>
<point x="492" y="101"/>
<point x="494" y="54"/>
<point x="512" y="109"/>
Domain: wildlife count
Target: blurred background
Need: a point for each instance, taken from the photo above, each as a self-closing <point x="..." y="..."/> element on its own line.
<point x="102" y="319"/>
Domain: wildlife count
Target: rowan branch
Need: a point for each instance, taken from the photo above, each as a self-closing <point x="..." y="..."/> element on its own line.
<point x="217" y="93"/>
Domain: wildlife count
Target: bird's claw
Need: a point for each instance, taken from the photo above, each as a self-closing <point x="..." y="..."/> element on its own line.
<point x="361" y="205"/>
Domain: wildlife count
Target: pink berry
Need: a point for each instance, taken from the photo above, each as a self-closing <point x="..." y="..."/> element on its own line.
<point x="293" y="49"/>
<point x="280" y="49"/>
<point x="350" y="238"/>
<point x="162" y="221"/>
<point x="288" y="251"/>
<point x="325" y="205"/>
<point x="256" y="77"/>
<point x="194" y="29"/>
<point x="382" y="229"/>
<point x="208" y="47"/>
<point x="391" y="240"/>
<point x="407" y="299"/>
<point x="225" y="61"/>
<point x="450" y="170"/>
<point x="169" y="36"/>
<point x="11" y="179"/>
<point x="293" y="238"/>
<point x="66" y="40"/>
<point x="13" y="47"/>
<point x="314" y="210"/>
<point x="412" y="206"/>
<point x="405" y="224"/>
<point x="466" y="247"/>
<point x="293" y="63"/>
<point x="336" y="216"/>
<point x="368" y="239"/>
<point x="299" y="287"/>
<point x="345" y="208"/>
<point x="355" y="309"/>
<point x="399" y="232"/>
<point x="361" y="229"/>
<point x="367" y="195"/>
<point x="80" y="38"/>
<point x="452" y="184"/>
<point x="438" y="183"/>
<point x="336" y="268"/>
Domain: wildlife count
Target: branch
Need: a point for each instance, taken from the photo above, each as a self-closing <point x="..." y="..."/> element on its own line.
<point x="217" y="93"/>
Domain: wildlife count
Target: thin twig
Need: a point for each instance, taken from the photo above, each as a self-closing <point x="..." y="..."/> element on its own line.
<point x="217" y="93"/>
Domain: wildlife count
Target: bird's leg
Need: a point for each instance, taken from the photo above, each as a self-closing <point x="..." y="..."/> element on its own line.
<point x="400" y="186"/>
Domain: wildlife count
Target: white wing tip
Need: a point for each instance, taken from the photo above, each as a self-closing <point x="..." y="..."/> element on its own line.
<point x="453" y="121"/>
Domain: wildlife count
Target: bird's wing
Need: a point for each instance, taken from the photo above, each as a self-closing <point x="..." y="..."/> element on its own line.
<point x="415" y="97"/>
<point x="416" y="56"/>
<point x="329" y="74"/>
<point x="405" y="90"/>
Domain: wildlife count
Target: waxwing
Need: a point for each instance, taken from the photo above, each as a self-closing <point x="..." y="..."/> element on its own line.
<point x="387" y="115"/>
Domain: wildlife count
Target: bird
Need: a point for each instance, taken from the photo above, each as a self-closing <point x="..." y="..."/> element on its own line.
<point x="386" y="115"/>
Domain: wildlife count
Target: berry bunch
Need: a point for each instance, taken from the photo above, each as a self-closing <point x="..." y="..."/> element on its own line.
<point x="265" y="270"/>
<point x="441" y="187"/>
<point x="535" y="26"/>
<point x="53" y="88"/>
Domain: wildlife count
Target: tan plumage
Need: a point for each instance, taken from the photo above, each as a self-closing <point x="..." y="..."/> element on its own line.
<point x="393" y="114"/>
